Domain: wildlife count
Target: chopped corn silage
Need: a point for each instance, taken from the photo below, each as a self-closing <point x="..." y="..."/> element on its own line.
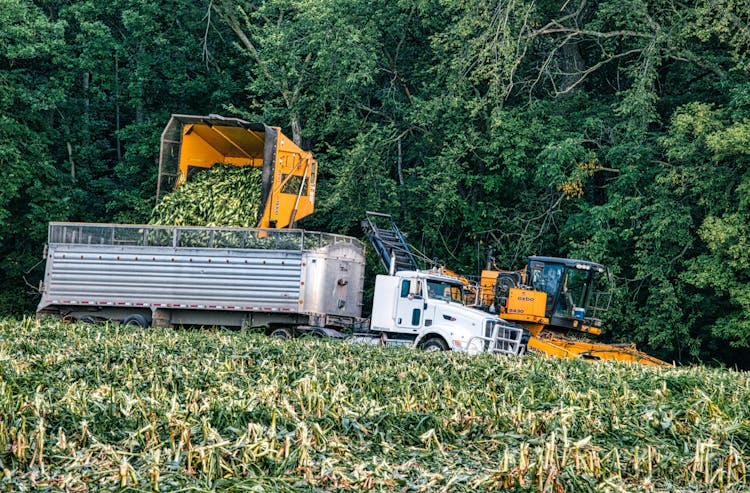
<point x="88" y="407"/>
<point x="222" y="195"/>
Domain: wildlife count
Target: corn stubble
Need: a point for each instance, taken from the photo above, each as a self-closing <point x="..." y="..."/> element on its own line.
<point x="94" y="408"/>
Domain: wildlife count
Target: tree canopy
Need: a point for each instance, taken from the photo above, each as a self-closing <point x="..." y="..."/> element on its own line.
<point x="615" y="131"/>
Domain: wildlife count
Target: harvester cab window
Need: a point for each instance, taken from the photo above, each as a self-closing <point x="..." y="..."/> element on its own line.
<point x="573" y="292"/>
<point x="546" y="277"/>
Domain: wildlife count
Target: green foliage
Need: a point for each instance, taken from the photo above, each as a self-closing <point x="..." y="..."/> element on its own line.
<point x="613" y="131"/>
<point x="33" y="189"/>
<point x="723" y="267"/>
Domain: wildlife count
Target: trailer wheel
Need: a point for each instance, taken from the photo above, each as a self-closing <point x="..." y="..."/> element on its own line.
<point x="281" y="333"/>
<point x="434" y="344"/>
<point x="136" y="320"/>
<point x="87" y="319"/>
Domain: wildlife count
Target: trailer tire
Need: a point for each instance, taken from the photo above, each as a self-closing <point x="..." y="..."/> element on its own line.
<point x="316" y="333"/>
<point x="136" y="320"/>
<point x="434" y="343"/>
<point x="87" y="319"/>
<point x="281" y="333"/>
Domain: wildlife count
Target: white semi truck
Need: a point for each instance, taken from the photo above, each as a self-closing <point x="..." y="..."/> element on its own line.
<point x="287" y="282"/>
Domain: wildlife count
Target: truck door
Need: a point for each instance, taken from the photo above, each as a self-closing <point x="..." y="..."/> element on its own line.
<point x="410" y="305"/>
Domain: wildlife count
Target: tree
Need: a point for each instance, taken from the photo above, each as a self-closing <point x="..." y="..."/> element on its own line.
<point x="717" y="142"/>
<point x="31" y="182"/>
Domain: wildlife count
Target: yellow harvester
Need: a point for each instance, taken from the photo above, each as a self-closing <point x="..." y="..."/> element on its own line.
<point x="555" y="298"/>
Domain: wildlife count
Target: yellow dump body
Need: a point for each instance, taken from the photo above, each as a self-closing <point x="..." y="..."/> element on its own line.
<point x="289" y="173"/>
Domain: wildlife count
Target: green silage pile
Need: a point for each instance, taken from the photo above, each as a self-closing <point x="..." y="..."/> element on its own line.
<point x="222" y="195"/>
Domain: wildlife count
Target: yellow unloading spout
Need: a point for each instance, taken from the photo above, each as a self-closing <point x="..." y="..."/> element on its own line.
<point x="289" y="174"/>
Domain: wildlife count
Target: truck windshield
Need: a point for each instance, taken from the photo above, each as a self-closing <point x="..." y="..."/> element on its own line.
<point x="441" y="290"/>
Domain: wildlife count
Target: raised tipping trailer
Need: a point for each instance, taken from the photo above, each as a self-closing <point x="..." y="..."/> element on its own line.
<point x="287" y="280"/>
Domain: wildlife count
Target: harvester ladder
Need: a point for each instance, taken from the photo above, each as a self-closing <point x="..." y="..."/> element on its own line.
<point x="389" y="242"/>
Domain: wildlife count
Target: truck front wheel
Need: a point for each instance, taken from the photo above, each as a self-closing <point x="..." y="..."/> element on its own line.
<point x="434" y="344"/>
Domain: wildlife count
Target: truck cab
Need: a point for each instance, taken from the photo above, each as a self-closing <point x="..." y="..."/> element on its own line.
<point x="426" y="310"/>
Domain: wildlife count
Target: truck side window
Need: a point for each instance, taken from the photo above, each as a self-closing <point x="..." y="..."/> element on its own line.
<point x="404" y="288"/>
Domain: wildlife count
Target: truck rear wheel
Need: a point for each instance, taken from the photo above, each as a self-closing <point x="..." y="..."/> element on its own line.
<point x="136" y="320"/>
<point x="281" y="333"/>
<point x="434" y="344"/>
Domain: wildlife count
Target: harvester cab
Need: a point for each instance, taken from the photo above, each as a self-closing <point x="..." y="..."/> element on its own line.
<point x="553" y="297"/>
<point x="559" y="293"/>
<point x="577" y="291"/>
<point x="190" y="143"/>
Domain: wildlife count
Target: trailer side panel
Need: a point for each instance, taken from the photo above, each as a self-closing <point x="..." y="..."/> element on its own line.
<point x="180" y="278"/>
<point x="199" y="275"/>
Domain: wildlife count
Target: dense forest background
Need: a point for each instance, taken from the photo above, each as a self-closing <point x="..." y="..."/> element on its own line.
<point x="616" y="131"/>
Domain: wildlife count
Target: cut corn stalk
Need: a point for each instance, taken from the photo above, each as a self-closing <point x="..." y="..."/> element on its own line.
<point x="102" y="407"/>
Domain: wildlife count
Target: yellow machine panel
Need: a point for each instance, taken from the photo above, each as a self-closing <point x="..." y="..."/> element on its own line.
<point x="525" y="304"/>
<point x="521" y="305"/>
<point x="487" y="282"/>
<point x="562" y="347"/>
<point x="289" y="173"/>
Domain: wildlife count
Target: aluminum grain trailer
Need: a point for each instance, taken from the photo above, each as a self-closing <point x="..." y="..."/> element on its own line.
<point x="283" y="280"/>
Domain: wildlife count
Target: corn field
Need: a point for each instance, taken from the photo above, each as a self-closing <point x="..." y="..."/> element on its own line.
<point x="114" y="408"/>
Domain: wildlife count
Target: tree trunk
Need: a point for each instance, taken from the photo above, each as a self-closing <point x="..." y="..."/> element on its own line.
<point x="571" y="65"/>
<point x="296" y="129"/>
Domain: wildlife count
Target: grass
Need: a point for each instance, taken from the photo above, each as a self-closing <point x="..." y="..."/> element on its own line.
<point x="109" y="408"/>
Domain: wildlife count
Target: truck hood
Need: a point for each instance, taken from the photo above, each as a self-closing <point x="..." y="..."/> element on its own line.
<point x="459" y="316"/>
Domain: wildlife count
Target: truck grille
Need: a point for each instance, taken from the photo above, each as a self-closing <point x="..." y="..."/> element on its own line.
<point x="507" y="338"/>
